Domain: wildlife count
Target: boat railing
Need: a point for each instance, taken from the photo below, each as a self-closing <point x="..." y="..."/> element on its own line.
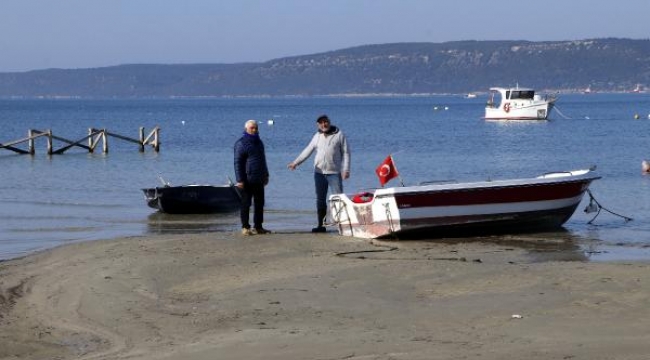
<point x="555" y="174"/>
<point x="339" y="206"/>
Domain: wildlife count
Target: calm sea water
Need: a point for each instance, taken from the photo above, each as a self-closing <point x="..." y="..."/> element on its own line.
<point x="46" y="200"/>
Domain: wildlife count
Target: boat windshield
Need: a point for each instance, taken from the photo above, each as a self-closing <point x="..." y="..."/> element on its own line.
<point x="522" y="94"/>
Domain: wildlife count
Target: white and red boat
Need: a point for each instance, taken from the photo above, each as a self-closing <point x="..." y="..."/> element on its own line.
<point x="517" y="104"/>
<point x="457" y="209"/>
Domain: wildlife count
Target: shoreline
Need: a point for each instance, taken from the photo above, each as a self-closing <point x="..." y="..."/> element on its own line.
<point x="482" y="92"/>
<point x="307" y="296"/>
<point x="544" y="246"/>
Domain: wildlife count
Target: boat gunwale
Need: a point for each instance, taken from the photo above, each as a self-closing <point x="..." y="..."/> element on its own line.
<point x="495" y="184"/>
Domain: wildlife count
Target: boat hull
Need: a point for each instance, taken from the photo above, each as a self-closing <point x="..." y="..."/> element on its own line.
<point x="507" y="206"/>
<point x="471" y="225"/>
<point x="532" y="111"/>
<point x="193" y="199"/>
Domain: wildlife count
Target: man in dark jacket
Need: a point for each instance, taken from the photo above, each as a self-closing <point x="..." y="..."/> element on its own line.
<point x="252" y="175"/>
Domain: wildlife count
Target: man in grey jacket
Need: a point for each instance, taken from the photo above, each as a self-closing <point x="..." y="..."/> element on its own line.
<point x="331" y="164"/>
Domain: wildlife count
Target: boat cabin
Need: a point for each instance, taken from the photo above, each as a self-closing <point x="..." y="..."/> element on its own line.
<point x="520" y="94"/>
<point x="499" y="95"/>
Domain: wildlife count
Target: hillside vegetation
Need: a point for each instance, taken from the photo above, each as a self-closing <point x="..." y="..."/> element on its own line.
<point x="402" y="68"/>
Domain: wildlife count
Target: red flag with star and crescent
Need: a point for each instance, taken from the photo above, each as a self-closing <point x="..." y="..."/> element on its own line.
<point x="386" y="170"/>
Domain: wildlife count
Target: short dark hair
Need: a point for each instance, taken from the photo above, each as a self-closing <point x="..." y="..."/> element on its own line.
<point x="323" y="118"/>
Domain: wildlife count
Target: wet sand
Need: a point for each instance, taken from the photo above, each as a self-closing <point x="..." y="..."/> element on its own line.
<point x="304" y="296"/>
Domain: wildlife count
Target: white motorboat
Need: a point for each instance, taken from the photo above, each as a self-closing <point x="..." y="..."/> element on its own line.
<point x="455" y="209"/>
<point x="517" y="104"/>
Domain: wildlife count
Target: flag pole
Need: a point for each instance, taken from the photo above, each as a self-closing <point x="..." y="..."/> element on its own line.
<point x="401" y="182"/>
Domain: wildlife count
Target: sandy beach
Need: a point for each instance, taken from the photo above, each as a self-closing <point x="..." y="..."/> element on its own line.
<point x="304" y="296"/>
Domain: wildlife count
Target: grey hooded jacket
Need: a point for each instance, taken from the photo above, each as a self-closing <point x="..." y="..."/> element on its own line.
<point x="332" y="152"/>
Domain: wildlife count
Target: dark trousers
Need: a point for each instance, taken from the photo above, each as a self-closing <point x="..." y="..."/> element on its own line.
<point x="322" y="182"/>
<point x="252" y="193"/>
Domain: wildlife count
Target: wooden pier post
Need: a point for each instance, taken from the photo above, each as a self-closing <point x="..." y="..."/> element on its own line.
<point x="105" y="140"/>
<point x="90" y="140"/>
<point x="141" y="138"/>
<point x="30" y="142"/>
<point x="49" y="142"/>
<point x="156" y="144"/>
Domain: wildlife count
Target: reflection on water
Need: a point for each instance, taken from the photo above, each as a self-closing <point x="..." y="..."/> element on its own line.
<point x="162" y="223"/>
<point x="558" y="245"/>
<point x="274" y="220"/>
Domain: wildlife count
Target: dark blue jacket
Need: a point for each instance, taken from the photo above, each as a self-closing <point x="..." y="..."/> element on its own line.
<point x="250" y="160"/>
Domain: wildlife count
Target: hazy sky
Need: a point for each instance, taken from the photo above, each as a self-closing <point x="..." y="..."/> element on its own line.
<point x="39" y="34"/>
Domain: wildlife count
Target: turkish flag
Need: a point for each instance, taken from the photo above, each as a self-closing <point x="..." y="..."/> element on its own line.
<point x="386" y="170"/>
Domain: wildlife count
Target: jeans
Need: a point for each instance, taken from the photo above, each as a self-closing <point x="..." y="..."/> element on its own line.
<point x="322" y="182"/>
<point x="252" y="193"/>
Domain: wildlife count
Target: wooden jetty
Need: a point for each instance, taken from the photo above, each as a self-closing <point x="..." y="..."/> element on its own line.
<point x="94" y="137"/>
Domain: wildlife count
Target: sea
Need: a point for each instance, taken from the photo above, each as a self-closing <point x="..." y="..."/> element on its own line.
<point x="51" y="200"/>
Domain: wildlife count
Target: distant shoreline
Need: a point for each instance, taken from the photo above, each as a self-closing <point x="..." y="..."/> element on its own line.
<point x="358" y="95"/>
<point x="396" y="69"/>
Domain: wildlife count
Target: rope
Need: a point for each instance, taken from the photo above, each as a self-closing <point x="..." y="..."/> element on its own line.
<point x="559" y="112"/>
<point x="594" y="205"/>
<point x="387" y="248"/>
<point x="343" y="254"/>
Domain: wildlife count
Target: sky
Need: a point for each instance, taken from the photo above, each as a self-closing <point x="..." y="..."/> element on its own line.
<point x="71" y="34"/>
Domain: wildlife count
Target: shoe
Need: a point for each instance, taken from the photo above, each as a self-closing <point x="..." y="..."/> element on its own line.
<point x="261" y="231"/>
<point x="247" y="232"/>
<point x="319" y="229"/>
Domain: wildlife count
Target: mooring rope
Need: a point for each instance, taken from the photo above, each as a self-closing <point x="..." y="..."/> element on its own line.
<point x="594" y="205"/>
<point x="559" y="112"/>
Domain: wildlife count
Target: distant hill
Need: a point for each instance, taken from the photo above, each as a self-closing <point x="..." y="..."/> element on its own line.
<point x="402" y="68"/>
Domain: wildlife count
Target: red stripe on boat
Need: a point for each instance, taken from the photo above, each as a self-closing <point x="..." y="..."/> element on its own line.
<point x="491" y="195"/>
